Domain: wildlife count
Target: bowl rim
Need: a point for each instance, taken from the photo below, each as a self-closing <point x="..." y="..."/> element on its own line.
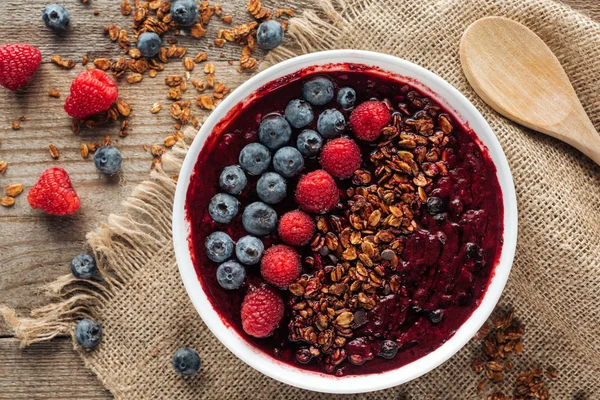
<point x="462" y="108"/>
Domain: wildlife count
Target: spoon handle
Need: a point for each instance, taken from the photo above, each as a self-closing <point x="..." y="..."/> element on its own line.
<point x="578" y="131"/>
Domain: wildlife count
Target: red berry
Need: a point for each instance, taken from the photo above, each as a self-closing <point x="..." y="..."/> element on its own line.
<point x="368" y="119"/>
<point x="280" y="266"/>
<point x="341" y="157"/>
<point x="53" y="193"/>
<point x="317" y="192"/>
<point x="18" y="63"/>
<point x="91" y="92"/>
<point x="296" y="228"/>
<point x="262" y="310"/>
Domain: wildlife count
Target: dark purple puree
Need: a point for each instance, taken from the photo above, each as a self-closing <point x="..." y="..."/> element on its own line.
<point x="445" y="267"/>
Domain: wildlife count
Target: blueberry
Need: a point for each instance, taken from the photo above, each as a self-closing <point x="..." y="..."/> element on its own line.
<point x="331" y="123"/>
<point x="346" y="98"/>
<point x="149" y="44"/>
<point x="274" y="131"/>
<point x="288" y="162"/>
<point x="233" y="180"/>
<point x="271" y="188"/>
<point x="184" y="12"/>
<point x="108" y="160"/>
<point x="231" y="275"/>
<point x="309" y="143"/>
<point x="186" y="361"/>
<point x="219" y="246"/>
<point x="299" y="113"/>
<point x="249" y="250"/>
<point x="435" y="316"/>
<point x="255" y="158"/>
<point x="259" y="219"/>
<point x="471" y="251"/>
<point x="318" y="91"/>
<point x="56" y="17"/>
<point x="270" y="34"/>
<point x="88" y="333"/>
<point x="223" y="208"/>
<point x="435" y="205"/>
<point x="389" y="349"/>
<point x="83" y="266"/>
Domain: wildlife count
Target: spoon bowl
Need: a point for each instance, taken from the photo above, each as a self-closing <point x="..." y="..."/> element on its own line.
<point x="517" y="74"/>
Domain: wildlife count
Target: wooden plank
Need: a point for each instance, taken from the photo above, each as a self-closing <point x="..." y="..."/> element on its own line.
<point x="46" y="371"/>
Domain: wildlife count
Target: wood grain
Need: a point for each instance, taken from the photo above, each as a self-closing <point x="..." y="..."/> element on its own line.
<point x="46" y="371"/>
<point x="35" y="248"/>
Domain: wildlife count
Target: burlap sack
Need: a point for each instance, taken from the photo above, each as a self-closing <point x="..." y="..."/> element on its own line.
<point x="555" y="280"/>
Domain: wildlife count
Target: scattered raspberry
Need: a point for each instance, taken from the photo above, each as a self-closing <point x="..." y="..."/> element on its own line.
<point x="280" y="266"/>
<point x="317" y="192"/>
<point x="368" y="119"/>
<point x="341" y="157"/>
<point x="91" y="92"/>
<point x="53" y="193"/>
<point x="262" y="310"/>
<point x="18" y="63"/>
<point x="296" y="228"/>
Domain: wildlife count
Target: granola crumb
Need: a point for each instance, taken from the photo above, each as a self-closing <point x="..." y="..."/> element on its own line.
<point x="14" y="190"/>
<point x="54" y="93"/>
<point x="15" y="125"/>
<point x="54" y="152"/>
<point x="3" y="166"/>
<point x="7" y="201"/>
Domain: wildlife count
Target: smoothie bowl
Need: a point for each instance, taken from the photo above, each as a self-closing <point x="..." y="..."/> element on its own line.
<point x="345" y="221"/>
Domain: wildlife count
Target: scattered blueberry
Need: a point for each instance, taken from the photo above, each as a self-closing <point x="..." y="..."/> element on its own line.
<point x="299" y="113"/>
<point x="186" y="361"/>
<point x="309" y="143"/>
<point x="255" y="158"/>
<point x="436" y="316"/>
<point x="108" y="160"/>
<point x="435" y="205"/>
<point x="346" y="98"/>
<point x="149" y="44"/>
<point x="249" y="250"/>
<point x="271" y="188"/>
<point x="223" y="208"/>
<point x="184" y="12"/>
<point x="259" y="219"/>
<point x="83" y="266"/>
<point x="233" y="180"/>
<point x="88" y="333"/>
<point x="56" y="17"/>
<point x="270" y="34"/>
<point x="288" y="162"/>
<point x="331" y="123"/>
<point x="219" y="246"/>
<point x="389" y="349"/>
<point x="231" y="275"/>
<point x="274" y="131"/>
<point x="318" y="91"/>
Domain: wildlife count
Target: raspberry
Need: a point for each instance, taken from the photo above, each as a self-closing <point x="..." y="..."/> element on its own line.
<point x="53" y="193"/>
<point x="317" y="192"/>
<point x="368" y="119"/>
<point x="280" y="266"/>
<point x="18" y="63"/>
<point x="262" y="310"/>
<point x="341" y="157"/>
<point x="91" y="92"/>
<point x="296" y="228"/>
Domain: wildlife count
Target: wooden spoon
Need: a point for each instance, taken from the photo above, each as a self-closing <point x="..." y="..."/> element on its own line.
<point x="514" y="72"/>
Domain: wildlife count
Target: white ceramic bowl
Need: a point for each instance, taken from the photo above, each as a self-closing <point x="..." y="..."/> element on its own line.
<point x="444" y="93"/>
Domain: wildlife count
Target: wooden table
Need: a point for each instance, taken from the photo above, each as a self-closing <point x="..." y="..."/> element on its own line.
<point x="35" y="248"/>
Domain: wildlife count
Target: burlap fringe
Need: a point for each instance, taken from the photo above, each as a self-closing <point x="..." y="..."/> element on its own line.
<point x="72" y="299"/>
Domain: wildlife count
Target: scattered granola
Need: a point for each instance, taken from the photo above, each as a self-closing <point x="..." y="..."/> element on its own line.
<point x="67" y="64"/>
<point x="14" y="190"/>
<point x="7" y="201"/>
<point x="54" y="152"/>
